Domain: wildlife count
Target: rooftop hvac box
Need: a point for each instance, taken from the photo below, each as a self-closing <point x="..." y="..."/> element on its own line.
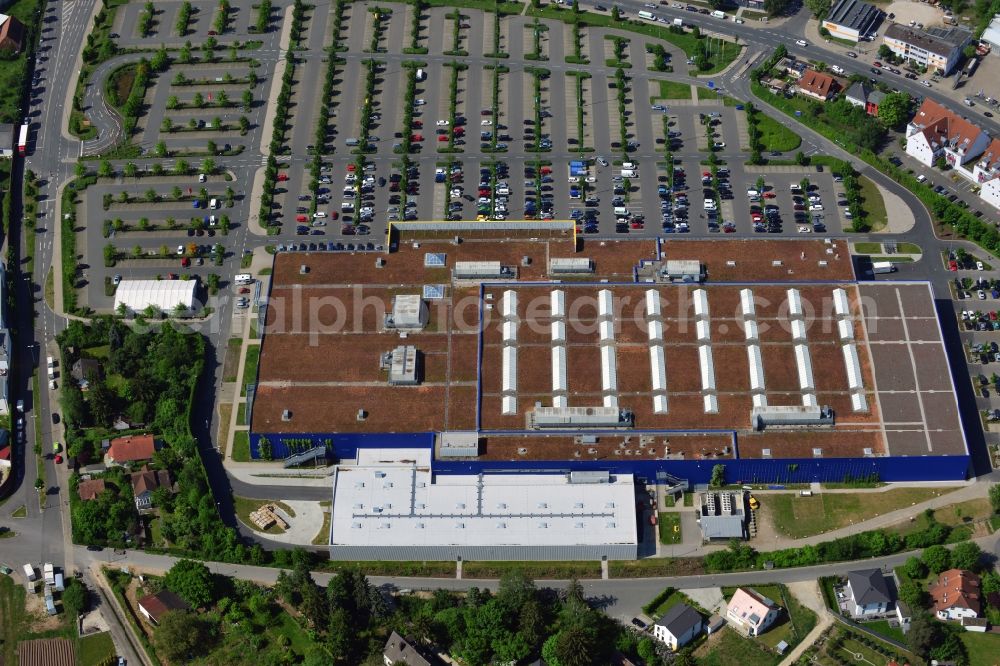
<point x="846" y="329"/>
<point x="590" y="477"/>
<point x="473" y="270"/>
<point x="560" y="265"/>
<point x="798" y="330"/>
<point x="707" y="366"/>
<point x="655" y="329"/>
<point x="659" y="404"/>
<point x="558" y="303"/>
<point x="509" y="369"/>
<point x="458" y="444"/>
<point x="510" y="331"/>
<point x="795" y="303"/>
<point x="703" y="330"/>
<point x="859" y="402"/>
<point x="558" y="331"/>
<point x="508" y="405"/>
<point x="789" y="414"/>
<point x="403" y="366"/>
<point x="408" y="312"/>
<point x="751" y="330"/>
<point x="559" y="369"/>
<point x="605" y="303"/>
<point x="682" y="270"/>
<point x="509" y="305"/>
<point x="576" y="417"/>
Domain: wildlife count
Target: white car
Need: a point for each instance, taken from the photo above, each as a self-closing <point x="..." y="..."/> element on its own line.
<point x="837" y="69"/>
<point x="720" y="144"/>
<point x="419" y="102"/>
<point x="981" y="294"/>
<point x="486" y="122"/>
<point x="925" y="83"/>
<point x="180" y="249"/>
<point x="816" y="207"/>
<point x="457" y="192"/>
<point x="805" y="230"/>
<point x="921" y="178"/>
<point x="319" y="214"/>
<point x="801" y="42"/>
<point x="979" y="265"/>
<point x="603" y="162"/>
<point x="442" y="123"/>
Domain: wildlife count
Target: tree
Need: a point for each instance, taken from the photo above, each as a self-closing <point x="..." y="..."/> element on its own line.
<point x="180" y="634"/>
<point x="937" y="558"/>
<point x="718" y="476"/>
<point x="208" y="165"/>
<point x="74" y="597"/>
<point x="966" y="555"/>
<point x="198" y="100"/>
<point x="160" y="59"/>
<point x="818" y="7"/>
<point x="80" y="169"/>
<point x="167" y="126"/>
<point x="923" y="634"/>
<point x="884" y="52"/>
<point x="105" y="170"/>
<point x="173" y="102"/>
<point x="914" y="568"/>
<point x="161" y="149"/>
<point x="616" y="14"/>
<point x="221" y="98"/>
<point x="247" y="100"/>
<point x="191" y="581"/>
<point x="244" y="124"/>
<point x="995" y="497"/>
<point x="894" y="109"/>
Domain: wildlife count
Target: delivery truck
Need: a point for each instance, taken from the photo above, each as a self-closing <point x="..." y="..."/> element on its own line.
<point x="883" y="267"/>
<point x="29" y="572"/>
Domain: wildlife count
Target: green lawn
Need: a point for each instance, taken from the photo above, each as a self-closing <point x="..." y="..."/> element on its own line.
<point x="983" y="648"/>
<point x="882" y="627"/>
<point x="796" y="516"/>
<point x="674" y="90"/>
<point x="706" y="93"/>
<point x="250" y="368"/>
<point x="548" y="570"/>
<point x="241" y="446"/>
<point x="13" y="619"/>
<point x="241" y="414"/>
<point x="13" y="72"/>
<point x="873" y="204"/>
<point x="669" y="525"/>
<point x="96" y="649"/>
<point x="667" y="604"/>
<point x="775" y="136"/>
<point x="232" y="359"/>
<point x="20" y="512"/>
<point x="728" y="648"/>
<point x="868" y="248"/>
<point x="909" y="248"/>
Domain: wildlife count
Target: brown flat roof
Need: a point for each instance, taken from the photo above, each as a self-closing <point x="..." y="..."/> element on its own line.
<point x="322" y="362"/>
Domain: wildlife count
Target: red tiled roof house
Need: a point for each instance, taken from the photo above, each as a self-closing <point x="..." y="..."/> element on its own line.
<point x="133" y="448"/>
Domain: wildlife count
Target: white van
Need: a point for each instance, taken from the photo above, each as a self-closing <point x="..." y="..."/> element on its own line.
<point x="719" y="15"/>
<point x="648" y="16"/>
<point x="347" y="207"/>
<point x="629" y="173"/>
<point x="243" y="278"/>
<point x="753" y="193"/>
<point x="621" y="211"/>
<point x="213" y="204"/>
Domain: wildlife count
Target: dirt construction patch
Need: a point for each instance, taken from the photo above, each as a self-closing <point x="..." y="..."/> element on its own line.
<point x="916" y="11"/>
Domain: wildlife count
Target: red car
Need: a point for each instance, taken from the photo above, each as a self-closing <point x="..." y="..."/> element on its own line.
<point x="769" y="195"/>
<point x="877" y="63"/>
<point x="417" y="137"/>
<point x="282" y="177"/>
<point x="58" y="459"/>
<point x="636" y="224"/>
<point x="952" y="265"/>
<point x="418" y="124"/>
<point x="443" y="138"/>
<point x="546" y="170"/>
<point x="459" y="131"/>
<point x="301" y="218"/>
<point x="185" y="262"/>
<point x="245" y="290"/>
<point x="351" y="167"/>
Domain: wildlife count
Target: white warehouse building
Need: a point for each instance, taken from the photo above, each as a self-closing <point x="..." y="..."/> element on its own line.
<point x="399" y="510"/>
<point x="164" y="295"/>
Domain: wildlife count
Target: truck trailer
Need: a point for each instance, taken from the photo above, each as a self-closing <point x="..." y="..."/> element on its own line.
<point x="883" y="267"/>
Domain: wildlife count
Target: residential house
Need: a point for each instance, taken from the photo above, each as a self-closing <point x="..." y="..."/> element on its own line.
<point x="91" y="489"/>
<point x="678" y="626"/>
<point x="144" y="482"/>
<point x="399" y="650"/>
<point x="751" y="613"/>
<point x="792" y="67"/>
<point x="851" y="19"/>
<point x="84" y="370"/>
<point x="155" y="606"/>
<point x="131" y="448"/>
<point x="936" y="132"/>
<point x="8" y="140"/>
<point x="867" y="593"/>
<point x="990" y="192"/>
<point x="817" y="85"/>
<point x="862" y="95"/>
<point x="956" y="594"/>
<point x="937" y="49"/>
<point x="11" y="34"/>
<point x="987" y="165"/>
<point x="903" y="615"/>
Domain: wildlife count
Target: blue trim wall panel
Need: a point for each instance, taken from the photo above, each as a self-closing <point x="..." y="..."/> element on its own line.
<point x="785" y="470"/>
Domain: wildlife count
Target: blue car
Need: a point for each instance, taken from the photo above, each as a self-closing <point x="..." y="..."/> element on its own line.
<point x="196" y="204"/>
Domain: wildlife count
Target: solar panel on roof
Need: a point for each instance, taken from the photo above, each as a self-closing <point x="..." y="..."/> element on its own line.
<point x="433" y="292"/>
<point x="434" y="259"/>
